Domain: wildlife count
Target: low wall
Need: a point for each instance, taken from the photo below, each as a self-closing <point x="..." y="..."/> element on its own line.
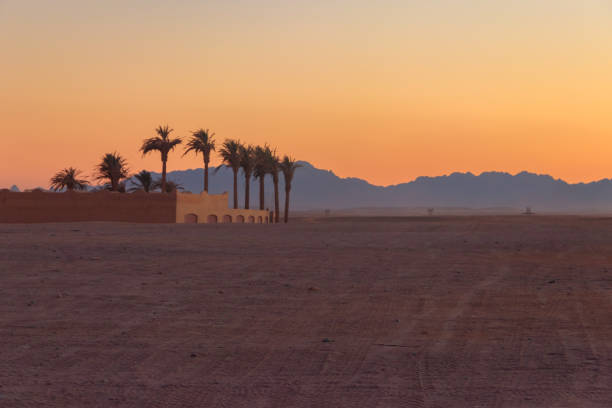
<point x="207" y="208"/>
<point x="79" y="206"/>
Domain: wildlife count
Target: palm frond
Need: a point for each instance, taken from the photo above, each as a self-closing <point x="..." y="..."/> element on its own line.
<point x="68" y="179"/>
<point x="247" y="160"/>
<point x="201" y="142"/>
<point x="288" y="166"/>
<point x="161" y="143"/>
<point x="171" y="186"/>
<point x="113" y="168"/>
<point x="142" y="181"/>
<point x="230" y="154"/>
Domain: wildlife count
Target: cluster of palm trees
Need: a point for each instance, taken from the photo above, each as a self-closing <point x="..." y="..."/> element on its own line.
<point x="253" y="161"/>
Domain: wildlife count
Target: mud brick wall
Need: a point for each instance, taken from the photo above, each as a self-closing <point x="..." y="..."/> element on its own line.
<point x="39" y="206"/>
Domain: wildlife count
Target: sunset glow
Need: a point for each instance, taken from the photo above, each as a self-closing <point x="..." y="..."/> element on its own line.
<point x="385" y="91"/>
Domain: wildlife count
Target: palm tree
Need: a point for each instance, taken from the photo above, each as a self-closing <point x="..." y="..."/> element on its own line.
<point x="287" y="167"/>
<point x="202" y="141"/>
<point x="247" y="162"/>
<point x="163" y="144"/>
<point x="171" y="186"/>
<point x="230" y="155"/>
<point x="272" y="165"/>
<point x="113" y="168"/>
<point x="68" y="179"/>
<point x="143" y="182"/>
<point x="261" y="169"/>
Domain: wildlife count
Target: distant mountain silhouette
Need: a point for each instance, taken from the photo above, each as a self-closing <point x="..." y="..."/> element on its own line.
<point x="321" y="189"/>
<point x="316" y="189"/>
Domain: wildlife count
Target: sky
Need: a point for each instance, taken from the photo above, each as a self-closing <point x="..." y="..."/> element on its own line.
<point x="385" y="91"/>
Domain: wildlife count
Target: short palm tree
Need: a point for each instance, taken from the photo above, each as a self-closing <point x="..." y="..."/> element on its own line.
<point x="143" y="181"/>
<point x="230" y="154"/>
<point x="68" y="179"/>
<point x="164" y="145"/>
<point x="261" y="169"/>
<point x="247" y="162"/>
<point x="171" y="186"/>
<point x="202" y="141"/>
<point x="288" y="166"/>
<point x="113" y="168"/>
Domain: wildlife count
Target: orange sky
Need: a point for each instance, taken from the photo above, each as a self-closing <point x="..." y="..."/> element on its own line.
<point x="385" y="91"/>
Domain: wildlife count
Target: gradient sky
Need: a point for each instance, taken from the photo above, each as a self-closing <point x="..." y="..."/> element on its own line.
<point x="385" y="91"/>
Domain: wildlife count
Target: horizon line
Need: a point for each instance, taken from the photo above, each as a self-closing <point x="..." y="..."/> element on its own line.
<point x="466" y="173"/>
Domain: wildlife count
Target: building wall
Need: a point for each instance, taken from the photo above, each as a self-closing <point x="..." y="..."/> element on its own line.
<point x="203" y="208"/>
<point x="78" y="206"/>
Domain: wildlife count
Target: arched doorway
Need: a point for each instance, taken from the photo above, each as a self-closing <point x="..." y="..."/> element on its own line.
<point x="211" y="219"/>
<point x="240" y="219"/>
<point x="227" y="219"/>
<point x="191" y="219"/>
<point x="259" y="219"/>
<point x="251" y="220"/>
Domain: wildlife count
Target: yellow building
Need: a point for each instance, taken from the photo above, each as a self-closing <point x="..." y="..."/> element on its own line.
<point x="213" y="208"/>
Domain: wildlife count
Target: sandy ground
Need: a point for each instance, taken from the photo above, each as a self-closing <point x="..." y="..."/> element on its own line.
<point x="422" y="312"/>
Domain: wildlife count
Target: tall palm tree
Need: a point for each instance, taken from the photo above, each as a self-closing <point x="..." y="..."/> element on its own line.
<point x="202" y="141"/>
<point x="261" y="169"/>
<point x="68" y="179"/>
<point x="112" y="168"/>
<point x="230" y="154"/>
<point x="143" y="182"/>
<point x="287" y="167"/>
<point x="272" y="165"/>
<point x="163" y="144"/>
<point x="247" y="162"/>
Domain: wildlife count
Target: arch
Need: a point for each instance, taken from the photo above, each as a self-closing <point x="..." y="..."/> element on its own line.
<point x="240" y="219"/>
<point x="227" y="219"/>
<point x="267" y="220"/>
<point x="211" y="219"/>
<point x="251" y="220"/>
<point x="259" y="220"/>
<point x="191" y="219"/>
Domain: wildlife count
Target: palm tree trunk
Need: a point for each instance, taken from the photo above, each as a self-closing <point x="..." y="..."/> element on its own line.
<point x="287" y="192"/>
<point x="205" y="176"/>
<point x="247" y="191"/>
<point x="163" y="183"/>
<point x="261" y="192"/>
<point x="235" y="188"/>
<point x="276" y="205"/>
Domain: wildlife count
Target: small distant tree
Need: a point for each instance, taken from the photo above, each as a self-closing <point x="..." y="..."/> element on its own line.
<point x="112" y="169"/>
<point x="142" y="181"/>
<point x="68" y="179"/>
<point x="202" y="141"/>
<point x="164" y="145"/>
<point x="288" y="166"/>
<point x="171" y="186"/>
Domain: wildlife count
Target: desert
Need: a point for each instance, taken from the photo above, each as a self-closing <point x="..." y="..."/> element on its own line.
<point x="495" y="311"/>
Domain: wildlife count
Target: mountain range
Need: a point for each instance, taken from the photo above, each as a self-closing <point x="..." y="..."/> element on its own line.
<point x="315" y="189"/>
